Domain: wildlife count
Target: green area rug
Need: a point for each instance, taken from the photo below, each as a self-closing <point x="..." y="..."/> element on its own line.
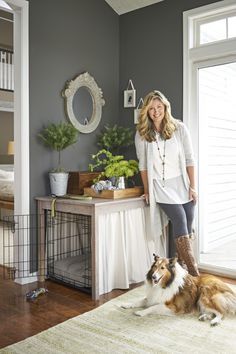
<point x="111" y="329"/>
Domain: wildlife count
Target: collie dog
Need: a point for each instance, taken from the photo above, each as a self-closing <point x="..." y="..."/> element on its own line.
<point x="170" y="290"/>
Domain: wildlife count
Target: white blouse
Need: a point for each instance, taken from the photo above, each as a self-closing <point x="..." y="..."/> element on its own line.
<point x="168" y="183"/>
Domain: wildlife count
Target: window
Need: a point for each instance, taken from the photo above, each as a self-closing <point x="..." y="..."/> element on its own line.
<point x="213" y="31"/>
<point x="210" y="113"/>
<point x="217" y="107"/>
<point x="232" y="27"/>
<point x="211" y="28"/>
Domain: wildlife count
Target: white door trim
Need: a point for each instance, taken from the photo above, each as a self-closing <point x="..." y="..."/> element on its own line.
<point x="21" y="124"/>
<point x="21" y="105"/>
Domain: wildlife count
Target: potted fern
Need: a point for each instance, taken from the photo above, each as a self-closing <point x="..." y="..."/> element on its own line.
<point x="58" y="137"/>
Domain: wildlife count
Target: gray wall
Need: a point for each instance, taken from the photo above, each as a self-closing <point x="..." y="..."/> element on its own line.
<point x="151" y="53"/>
<point x="68" y="38"/>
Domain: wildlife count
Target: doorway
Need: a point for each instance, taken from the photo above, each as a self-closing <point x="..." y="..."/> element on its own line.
<point x="21" y="114"/>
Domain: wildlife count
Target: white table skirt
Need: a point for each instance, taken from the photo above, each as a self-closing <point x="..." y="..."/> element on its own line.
<point x="125" y="249"/>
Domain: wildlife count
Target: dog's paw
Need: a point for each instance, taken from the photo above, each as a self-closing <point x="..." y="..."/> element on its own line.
<point x="127" y="306"/>
<point x="140" y="313"/>
<point x="206" y="316"/>
<point x="215" y="322"/>
<point x="203" y="317"/>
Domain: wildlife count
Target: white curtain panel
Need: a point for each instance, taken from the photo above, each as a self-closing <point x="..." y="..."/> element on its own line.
<point x="125" y="249"/>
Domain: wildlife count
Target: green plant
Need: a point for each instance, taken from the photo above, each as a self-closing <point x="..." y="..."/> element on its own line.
<point x="116" y="137"/>
<point x="126" y="168"/>
<point x="114" y="166"/>
<point x="58" y="137"/>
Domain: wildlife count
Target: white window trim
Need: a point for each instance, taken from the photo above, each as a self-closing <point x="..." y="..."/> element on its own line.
<point x="193" y="58"/>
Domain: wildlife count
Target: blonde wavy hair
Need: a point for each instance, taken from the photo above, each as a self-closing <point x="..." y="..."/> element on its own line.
<point x="146" y="126"/>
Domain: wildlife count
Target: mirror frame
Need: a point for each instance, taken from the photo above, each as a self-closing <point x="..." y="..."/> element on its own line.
<point x="72" y="86"/>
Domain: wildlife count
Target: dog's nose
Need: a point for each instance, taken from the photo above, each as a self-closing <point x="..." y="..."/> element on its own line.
<point x="154" y="276"/>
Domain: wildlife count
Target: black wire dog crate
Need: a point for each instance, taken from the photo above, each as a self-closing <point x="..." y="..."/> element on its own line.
<point x="19" y="247"/>
<point x="69" y="249"/>
<point x="67" y="243"/>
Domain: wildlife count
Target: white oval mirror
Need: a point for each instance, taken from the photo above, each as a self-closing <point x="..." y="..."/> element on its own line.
<point x="83" y="102"/>
<point x="82" y="105"/>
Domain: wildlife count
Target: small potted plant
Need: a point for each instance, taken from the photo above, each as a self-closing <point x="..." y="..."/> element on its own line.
<point x="114" y="167"/>
<point x="58" y="137"/>
<point x="115" y="138"/>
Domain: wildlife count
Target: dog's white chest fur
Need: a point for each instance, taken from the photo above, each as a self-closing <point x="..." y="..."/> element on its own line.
<point x="155" y="294"/>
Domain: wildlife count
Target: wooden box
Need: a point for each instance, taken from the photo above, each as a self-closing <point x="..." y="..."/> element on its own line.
<point x="79" y="180"/>
<point x="115" y="194"/>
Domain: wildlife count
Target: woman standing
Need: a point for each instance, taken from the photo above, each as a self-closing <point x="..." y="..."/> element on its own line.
<point x="166" y="164"/>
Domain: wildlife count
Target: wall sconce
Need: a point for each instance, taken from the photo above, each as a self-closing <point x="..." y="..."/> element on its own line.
<point x="10" y="148"/>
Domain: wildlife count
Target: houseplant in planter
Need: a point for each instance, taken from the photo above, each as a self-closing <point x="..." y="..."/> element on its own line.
<point x="112" y="140"/>
<point x="58" y="137"/>
<point x="114" y="167"/>
<point x="115" y="138"/>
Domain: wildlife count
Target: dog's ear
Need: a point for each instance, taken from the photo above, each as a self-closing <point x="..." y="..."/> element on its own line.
<point x="156" y="257"/>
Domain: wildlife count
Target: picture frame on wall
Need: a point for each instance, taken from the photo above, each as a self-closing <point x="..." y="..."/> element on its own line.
<point x="129" y="98"/>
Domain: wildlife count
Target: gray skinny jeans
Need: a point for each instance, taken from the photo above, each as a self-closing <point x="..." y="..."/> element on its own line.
<point x="181" y="216"/>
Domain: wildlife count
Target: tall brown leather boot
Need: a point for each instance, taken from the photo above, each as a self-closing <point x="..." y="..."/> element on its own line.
<point x="185" y="251"/>
<point x="180" y="260"/>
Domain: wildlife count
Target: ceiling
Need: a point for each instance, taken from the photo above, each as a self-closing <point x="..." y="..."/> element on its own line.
<point x="123" y="6"/>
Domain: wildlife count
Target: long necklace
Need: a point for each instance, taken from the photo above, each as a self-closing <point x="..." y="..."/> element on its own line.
<point x="163" y="157"/>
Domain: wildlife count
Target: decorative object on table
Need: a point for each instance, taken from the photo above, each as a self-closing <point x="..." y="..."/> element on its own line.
<point x="103" y="185"/>
<point x="78" y="180"/>
<point x="58" y="137"/>
<point x="70" y="93"/>
<point x="115" y="193"/>
<point x="107" y="184"/>
<point x="138" y="110"/>
<point x="130" y="95"/>
<point x="113" y="166"/>
<point x="33" y="294"/>
<point x="115" y="138"/>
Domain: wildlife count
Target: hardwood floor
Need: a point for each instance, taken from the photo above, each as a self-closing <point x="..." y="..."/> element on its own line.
<point x="20" y="318"/>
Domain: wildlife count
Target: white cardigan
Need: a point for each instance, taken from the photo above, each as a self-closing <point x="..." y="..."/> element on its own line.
<point x="144" y="150"/>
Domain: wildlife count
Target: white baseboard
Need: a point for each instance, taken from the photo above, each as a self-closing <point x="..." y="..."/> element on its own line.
<point x="27" y="280"/>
